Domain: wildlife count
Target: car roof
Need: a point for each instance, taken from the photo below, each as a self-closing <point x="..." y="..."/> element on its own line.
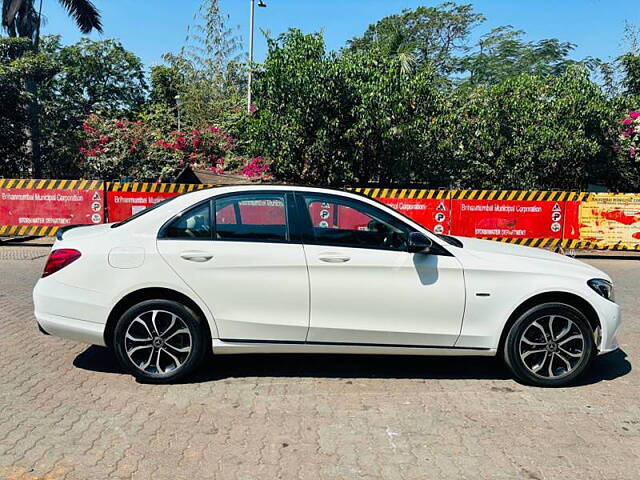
<point x="217" y="191"/>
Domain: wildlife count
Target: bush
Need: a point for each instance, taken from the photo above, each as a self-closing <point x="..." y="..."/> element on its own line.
<point x="630" y="136"/>
<point x="114" y="149"/>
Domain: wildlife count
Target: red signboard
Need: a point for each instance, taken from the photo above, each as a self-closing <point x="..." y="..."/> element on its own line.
<point x="121" y="205"/>
<point x="432" y="213"/>
<point x="504" y="218"/>
<point x="37" y="207"/>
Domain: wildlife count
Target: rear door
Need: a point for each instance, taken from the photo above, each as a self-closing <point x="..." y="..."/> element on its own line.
<point x="241" y="254"/>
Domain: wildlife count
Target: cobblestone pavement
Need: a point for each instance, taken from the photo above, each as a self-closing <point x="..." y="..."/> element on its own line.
<point x="67" y="411"/>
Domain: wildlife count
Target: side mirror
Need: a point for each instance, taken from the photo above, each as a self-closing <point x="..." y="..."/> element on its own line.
<point x="419" y="243"/>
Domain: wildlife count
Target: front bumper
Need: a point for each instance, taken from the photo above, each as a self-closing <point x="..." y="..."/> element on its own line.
<point x="611" y="323"/>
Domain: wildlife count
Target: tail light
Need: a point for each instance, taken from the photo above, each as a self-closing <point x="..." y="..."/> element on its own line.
<point x="58" y="259"/>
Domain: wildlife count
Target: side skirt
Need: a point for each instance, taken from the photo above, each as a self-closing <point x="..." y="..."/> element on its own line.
<point x="226" y="347"/>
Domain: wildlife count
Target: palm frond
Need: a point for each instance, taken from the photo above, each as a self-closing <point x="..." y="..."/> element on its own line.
<point x="10" y="9"/>
<point x="27" y="20"/>
<point x="408" y="62"/>
<point x="85" y="14"/>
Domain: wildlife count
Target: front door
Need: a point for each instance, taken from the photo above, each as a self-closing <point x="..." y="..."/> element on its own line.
<point x="240" y="255"/>
<point x="365" y="286"/>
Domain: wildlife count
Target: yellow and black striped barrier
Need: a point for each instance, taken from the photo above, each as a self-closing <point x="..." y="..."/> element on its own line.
<point x="558" y="219"/>
<point x="154" y="187"/>
<point x="519" y="195"/>
<point x="27" y="231"/>
<point x="403" y="193"/>
<point x="28" y="184"/>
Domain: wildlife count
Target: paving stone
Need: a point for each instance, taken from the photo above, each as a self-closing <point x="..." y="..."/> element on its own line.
<point x="68" y="412"/>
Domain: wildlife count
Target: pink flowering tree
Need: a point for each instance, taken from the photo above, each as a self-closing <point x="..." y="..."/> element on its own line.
<point x="115" y="149"/>
<point x="630" y="136"/>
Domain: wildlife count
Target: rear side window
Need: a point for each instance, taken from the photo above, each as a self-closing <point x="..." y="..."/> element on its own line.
<point x="192" y="224"/>
<point x="255" y="217"/>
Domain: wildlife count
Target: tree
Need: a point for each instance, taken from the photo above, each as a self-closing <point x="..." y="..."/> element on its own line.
<point x="503" y="54"/>
<point x="17" y="62"/>
<point x="302" y="111"/>
<point x="329" y="119"/>
<point x="93" y="77"/>
<point x="206" y="74"/>
<point x="531" y="132"/>
<point x="631" y="68"/>
<point x="630" y="61"/>
<point x="13" y="111"/>
<point x="433" y="35"/>
<point x="21" y="19"/>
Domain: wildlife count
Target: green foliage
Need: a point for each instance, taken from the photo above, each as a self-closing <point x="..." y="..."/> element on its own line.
<point x="206" y="75"/>
<point x="211" y="44"/>
<point x="94" y="77"/>
<point x="13" y="111"/>
<point x="100" y="77"/>
<point x="433" y="35"/>
<point x="631" y="67"/>
<point x="17" y="63"/>
<point x="529" y="132"/>
<point x="20" y="17"/>
<point x="503" y="54"/>
<point x="166" y="84"/>
<point x="361" y="117"/>
<point x="327" y="119"/>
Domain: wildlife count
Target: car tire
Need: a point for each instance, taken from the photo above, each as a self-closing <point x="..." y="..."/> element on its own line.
<point x="160" y="341"/>
<point x="550" y="345"/>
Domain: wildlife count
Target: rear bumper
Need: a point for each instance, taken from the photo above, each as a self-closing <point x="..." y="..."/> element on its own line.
<point x="70" y="312"/>
<point x="71" y="328"/>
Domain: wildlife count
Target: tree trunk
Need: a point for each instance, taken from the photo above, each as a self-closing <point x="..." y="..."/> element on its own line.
<point x="33" y="127"/>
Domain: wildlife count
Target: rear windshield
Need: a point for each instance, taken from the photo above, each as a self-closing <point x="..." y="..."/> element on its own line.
<point x="143" y="212"/>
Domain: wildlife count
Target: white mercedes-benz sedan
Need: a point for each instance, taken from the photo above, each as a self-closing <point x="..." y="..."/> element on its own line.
<point x="282" y="269"/>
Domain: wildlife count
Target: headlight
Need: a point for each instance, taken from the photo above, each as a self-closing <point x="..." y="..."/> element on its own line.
<point x="602" y="287"/>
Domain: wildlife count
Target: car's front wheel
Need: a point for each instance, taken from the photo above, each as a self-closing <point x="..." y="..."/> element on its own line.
<point x="550" y="345"/>
<point x="159" y="341"/>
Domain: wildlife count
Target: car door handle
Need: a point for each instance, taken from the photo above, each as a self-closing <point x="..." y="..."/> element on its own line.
<point x="334" y="258"/>
<point x="199" y="257"/>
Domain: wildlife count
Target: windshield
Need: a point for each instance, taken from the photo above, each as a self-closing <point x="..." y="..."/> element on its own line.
<point x="143" y="212"/>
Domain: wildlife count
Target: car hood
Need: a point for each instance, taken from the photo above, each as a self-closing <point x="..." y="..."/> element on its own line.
<point x="526" y="258"/>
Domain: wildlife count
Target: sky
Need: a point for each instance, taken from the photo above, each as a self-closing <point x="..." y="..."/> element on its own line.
<point x="151" y="28"/>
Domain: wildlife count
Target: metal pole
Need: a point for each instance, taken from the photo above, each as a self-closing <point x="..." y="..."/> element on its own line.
<point x="253" y="6"/>
<point x="178" y="99"/>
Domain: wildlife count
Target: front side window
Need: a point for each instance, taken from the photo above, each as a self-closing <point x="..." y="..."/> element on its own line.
<point x="343" y="222"/>
<point x="192" y="224"/>
<point x="252" y="217"/>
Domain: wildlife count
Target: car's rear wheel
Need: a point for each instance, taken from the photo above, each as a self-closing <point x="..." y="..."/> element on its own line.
<point x="550" y="345"/>
<point x="159" y="341"/>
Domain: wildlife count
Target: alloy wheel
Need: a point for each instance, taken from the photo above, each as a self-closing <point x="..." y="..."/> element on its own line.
<point x="158" y="342"/>
<point x="552" y="346"/>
